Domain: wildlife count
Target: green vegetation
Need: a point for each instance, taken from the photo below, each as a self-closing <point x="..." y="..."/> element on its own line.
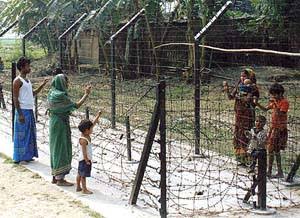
<point x="10" y="50"/>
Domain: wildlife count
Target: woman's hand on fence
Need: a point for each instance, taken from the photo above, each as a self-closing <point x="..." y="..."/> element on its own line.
<point x="46" y="81"/>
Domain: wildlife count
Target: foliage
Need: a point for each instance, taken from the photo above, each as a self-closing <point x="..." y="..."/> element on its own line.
<point x="10" y="51"/>
<point x="268" y="18"/>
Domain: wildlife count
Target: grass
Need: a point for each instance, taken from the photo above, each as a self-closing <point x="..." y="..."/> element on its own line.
<point x="7" y="160"/>
<point x="11" y="50"/>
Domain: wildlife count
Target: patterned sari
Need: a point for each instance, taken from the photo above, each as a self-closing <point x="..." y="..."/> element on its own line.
<point x="60" y="107"/>
<point x="244" y="120"/>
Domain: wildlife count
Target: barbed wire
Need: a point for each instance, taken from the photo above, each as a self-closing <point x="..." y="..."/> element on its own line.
<point x="196" y="185"/>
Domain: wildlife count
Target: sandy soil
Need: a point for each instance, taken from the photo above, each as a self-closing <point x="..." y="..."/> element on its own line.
<point x="25" y="194"/>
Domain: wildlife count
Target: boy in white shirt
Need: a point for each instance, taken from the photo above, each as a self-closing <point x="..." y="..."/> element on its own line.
<point x="258" y="139"/>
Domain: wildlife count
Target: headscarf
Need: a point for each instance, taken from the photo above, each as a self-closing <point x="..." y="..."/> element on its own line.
<point x="252" y="75"/>
<point x="58" y="99"/>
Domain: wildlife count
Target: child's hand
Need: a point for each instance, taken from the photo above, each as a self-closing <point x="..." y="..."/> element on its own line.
<point x="88" y="162"/>
<point x="225" y="86"/>
<point x="99" y="113"/>
<point x="87" y="89"/>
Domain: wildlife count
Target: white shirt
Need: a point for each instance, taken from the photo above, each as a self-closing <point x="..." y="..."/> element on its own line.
<point x="258" y="140"/>
<point x="26" y="99"/>
<point x="89" y="150"/>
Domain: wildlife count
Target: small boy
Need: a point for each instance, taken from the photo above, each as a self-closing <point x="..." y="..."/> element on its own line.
<point x="278" y="134"/>
<point x="85" y="158"/>
<point x="258" y="139"/>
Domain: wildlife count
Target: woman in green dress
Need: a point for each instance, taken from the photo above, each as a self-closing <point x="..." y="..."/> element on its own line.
<point x="60" y="107"/>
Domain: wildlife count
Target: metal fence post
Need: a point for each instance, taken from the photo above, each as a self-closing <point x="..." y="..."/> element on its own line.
<point x="197" y="71"/>
<point x="13" y="76"/>
<point x="262" y="179"/>
<point x="197" y="96"/>
<point x="163" y="163"/>
<point x="60" y="49"/>
<point x="113" y="85"/>
<point x="63" y="36"/>
<point x="113" y="65"/>
<point x="29" y="32"/>
<point x="128" y="136"/>
<point x="23" y="47"/>
<point x="36" y="108"/>
<point x="87" y="113"/>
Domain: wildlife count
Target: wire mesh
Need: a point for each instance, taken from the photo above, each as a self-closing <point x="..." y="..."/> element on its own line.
<point x="146" y="52"/>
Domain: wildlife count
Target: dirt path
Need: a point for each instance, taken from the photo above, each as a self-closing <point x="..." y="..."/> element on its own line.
<point x="24" y="194"/>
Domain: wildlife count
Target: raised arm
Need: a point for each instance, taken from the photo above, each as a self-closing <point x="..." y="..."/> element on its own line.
<point x="231" y="94"/>
<point x="96" y="120"/>
<point x="87" y="92"/>
<point x="37" y="91"/>
<point x="255" y="101"/>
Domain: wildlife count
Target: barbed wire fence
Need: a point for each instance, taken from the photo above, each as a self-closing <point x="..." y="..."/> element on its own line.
<point x="202" y="176"/>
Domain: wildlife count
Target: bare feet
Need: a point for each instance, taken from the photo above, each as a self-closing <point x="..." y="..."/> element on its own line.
<point x="78" y="189"/>
<point x="23" y="162"/>
<point x="54" y="181"/>
<point x="87" y="192"/>
<point x="63" y="182"/>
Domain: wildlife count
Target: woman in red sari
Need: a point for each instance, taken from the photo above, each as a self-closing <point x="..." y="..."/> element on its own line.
<point x="244" y="109"/>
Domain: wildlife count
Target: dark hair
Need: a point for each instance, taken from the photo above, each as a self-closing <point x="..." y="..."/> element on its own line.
<point x="22" y="62"/>
<point x="246" y="72"/>
<point x="261" y="119"/>
<point x="276" y="89"/>
<point x="84" y="125"/>
<point x="58" y="71"/>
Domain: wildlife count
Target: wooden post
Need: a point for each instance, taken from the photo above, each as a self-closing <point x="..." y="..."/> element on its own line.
<point x="145" y="154"/>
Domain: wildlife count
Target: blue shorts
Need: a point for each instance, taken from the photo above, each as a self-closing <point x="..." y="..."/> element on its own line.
<point x="84" y="169"/>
